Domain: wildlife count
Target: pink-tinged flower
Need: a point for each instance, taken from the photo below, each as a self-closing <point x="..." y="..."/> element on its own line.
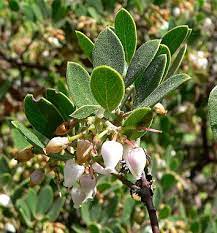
<point x="112" y="153"/>
<point x="72" y="173"/>
<point x="88" y="185"/>
<point x="135" y="159"/>
<point x="56" y="145"/>
<point x="78" y="197"/>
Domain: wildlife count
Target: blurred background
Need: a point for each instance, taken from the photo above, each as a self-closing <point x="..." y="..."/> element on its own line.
<point x="37" y="38"/>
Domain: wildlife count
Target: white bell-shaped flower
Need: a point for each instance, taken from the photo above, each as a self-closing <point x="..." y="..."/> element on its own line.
<point x="88" y="185"/>
<point x="78" y="197"/>
<point x="72" y="172"/>
<point x="135" y="159"/>
<point x="56" y="145"/>
<point x="112" y="153"/>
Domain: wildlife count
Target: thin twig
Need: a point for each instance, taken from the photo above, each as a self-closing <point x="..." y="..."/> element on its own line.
<point x="143" y="189"/>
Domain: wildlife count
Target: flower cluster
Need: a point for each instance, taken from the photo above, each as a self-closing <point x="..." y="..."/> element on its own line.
<point x="80" y="173"/>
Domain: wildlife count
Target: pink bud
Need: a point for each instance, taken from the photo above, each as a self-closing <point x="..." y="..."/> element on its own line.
<point x="72" y="172"/>
<point x="112" y="153"/>
<point x="78" y="197"/>
<point x="135" y="159"/>
<point x="56" y="145"/>
<point x="88" y="185"/>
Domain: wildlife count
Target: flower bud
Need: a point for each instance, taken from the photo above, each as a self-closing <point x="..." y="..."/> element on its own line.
<point x="84" y="148"/>
<point x="62" y="129"/>
<point x="24" y="155"/>
<point x="4" y="200"/>
<point x="78" y="197"/>
<point x="72" y="173"/>
<point x="9" y="227"/>
<point x="112" y="153"/>
<point x="56" y="145"/>
<point x="159" y="109"/>
<point x="88" y="185"/>
<point x="136" y="160"/>
<point x="36" y="177"/>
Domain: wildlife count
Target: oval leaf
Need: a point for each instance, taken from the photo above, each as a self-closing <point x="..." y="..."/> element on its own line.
<point x="78" y="81"/>
<point x="150" y="79"/>
<point x="31" y="200"/>
<point x="141" y="60"/>
<point x="109" y="51"/>
<point x="62" y="103"/>
<point x="107" y="86"/>
<point x="177" y="62"/>
<point x="85" y="111"/>
<point x="45" y="200"/>
<point x="56" y="208"/>
<point x="24" y="211"/>
<point x="174" y="38"/>
<point x="28" y="134"/>
<point x="164" y="89"/>
<point x="85" y="43"/>
<point x="42" y="115"/>
<point x="125" y="28"/>
<point x="212" y="107"/>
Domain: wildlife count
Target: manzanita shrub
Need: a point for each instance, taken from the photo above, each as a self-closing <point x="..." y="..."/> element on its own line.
<point x="95" y="127"/>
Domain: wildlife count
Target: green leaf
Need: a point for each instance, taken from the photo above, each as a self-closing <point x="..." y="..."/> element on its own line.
<point x="138" y="117"/>
<point x="6" y="180"/>
<point x="150" y="79"/>
<point x="177" y="62"/>
<point x="106" y="230"/>
<point x="157" y="196"/>
<point x="85" y="43"/>
<point x="28" y="134"/>
<point x="31" y="200"/>
<point x="94" y="228"/>
<point x="85" y="111"/>
<point x="62" y="87"/>
<point x="4" y="87"/>
<point x="141" y="60"/>
<point x="62" y="103"/>
<point x="163" y="49"/>
<point x="164" y="89"/>
<point x="107" y="87"/>
<point x="37" y="12"/>
<point x="127" y="210"/>
<point x="4" y="167"/>
<point x="175" y="37"/>
<point x="19" y="140"/>
<point x="24" y="211"/>
<point x="85" y="213"/>
<point x="109" y="51"/>
<point x="168" y="180"/>
<point x="78" y="81"/>
<point x="164" y="212"/>
<point x="55" y="209"/>
<point x="125" y="28"/>
<point x="59" y="10"/>
<point x="42" y="115"/>
<point x="45" y="200"/>
<point x="14" y="5"/>
<point x="212" y="110"/>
